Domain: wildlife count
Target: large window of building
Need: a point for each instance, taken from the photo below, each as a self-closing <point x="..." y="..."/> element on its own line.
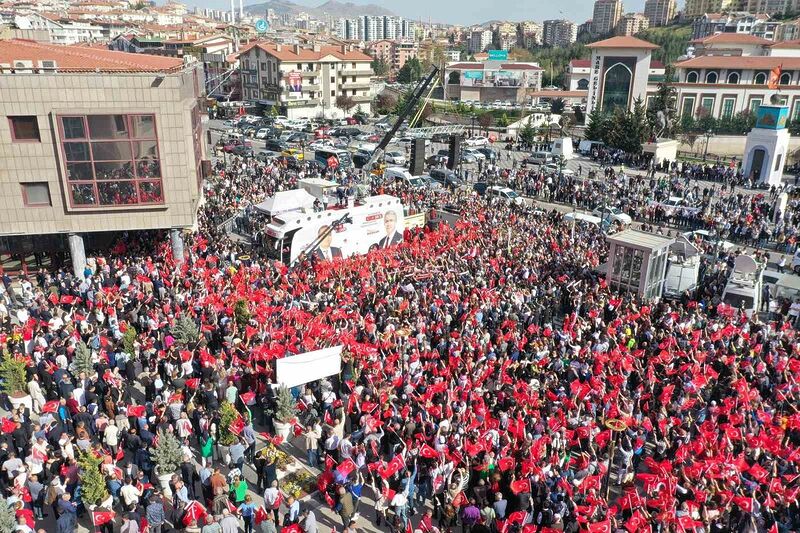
<point x="616" y="87"/>
<point x="24" y="129"/>
<point x="111" y="160"/>
<point x="727" y="107"/>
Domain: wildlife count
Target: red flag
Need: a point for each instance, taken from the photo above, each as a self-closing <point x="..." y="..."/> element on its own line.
<point x="636" y="522"/>
<point x="247" y="397"/>
<point x="521" y="485"/>
<point x="194" y="512"/>
<point x="51" y="407"/>
<point x="120" y="454"/>
<point x="260" y="515"/>
<point x="506" y="463"/>
<point x="347" y="466"/>
<point x="7" y="425"/>
<point x="102" y="517"/>
<point x="428" y="452"/>
<point x="600" y="527"/>
<point x="688" y="523"/>
<point x="294" y="528"/>
<point x="392" y="467"/>
<point x="237" y="426"/>
<point x="774" y="78"/>
<point x="136" y="410"/>
<point x="744" y="502"/>
<point x="193" y="383"/>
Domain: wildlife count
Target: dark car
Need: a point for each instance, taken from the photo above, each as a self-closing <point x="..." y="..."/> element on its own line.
<point x="446" y="177"/>
<point x="441" y="138"/>
<point x="290" y="161"/>
<point x="360" y="159"/>
<point x="436" y="160"/>
<point x="243" y="151"/>
<point x="296" y="137"/>
<point x="444" y="152"/>
<point x="276" y="145"/>
<point x="480" y="187"/>
<point x="490" y="154"/>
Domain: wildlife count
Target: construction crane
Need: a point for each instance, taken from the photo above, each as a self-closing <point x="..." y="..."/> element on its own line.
<point x="425" y="86"/>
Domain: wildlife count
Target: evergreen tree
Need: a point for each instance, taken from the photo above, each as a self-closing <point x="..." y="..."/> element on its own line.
<point x="185" y="331"/>
<point x="597" y="130"/>
<point x="285" y="405"/>
<point x="527" y="133"/>
<point x="379" y="67"/>
<point x="227" y="416"/>
<point x="241" y="313"/>
<point x="411" y="71"/>
<point x="83" y="359"/>
<point x="167" y="453"/>
<point x="93" y="485"/>
<point x="8" y="518"/>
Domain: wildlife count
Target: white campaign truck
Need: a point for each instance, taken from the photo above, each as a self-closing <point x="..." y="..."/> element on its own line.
<point x="319" y="188"/>
<point x="743" y="290"/>
<point x="683" y="268"/>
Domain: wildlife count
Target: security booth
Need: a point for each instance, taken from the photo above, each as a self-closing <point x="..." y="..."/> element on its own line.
<point x="637" y="262"/>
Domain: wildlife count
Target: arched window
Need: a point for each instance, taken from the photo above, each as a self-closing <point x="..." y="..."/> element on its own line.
<point x="617" y="87"/>
<point x="786" y="78"/>
<point x="760" y="79"/>
<point x="712" y="77"/>
<point x="583" y="84"/>
<point x="733" y="78"/>
<point x="692" y="77"/>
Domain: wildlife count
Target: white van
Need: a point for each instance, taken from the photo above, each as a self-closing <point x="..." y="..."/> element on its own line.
<point x="403" y="175"/>
<point x="582" y="217"/>
<point x="505" y="193"/>
<point x="743" y="290"/>
<point x="539" y="158"/>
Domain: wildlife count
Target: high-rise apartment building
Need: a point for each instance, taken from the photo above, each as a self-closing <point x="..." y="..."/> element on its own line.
<point x="770" y="6"/>
<point x="606" y="16"/>
<point x="697" y="8"/>
<point x="479" y="40"/>
<point x="559" y="32"/>
<point x="659" y="12"/>
<point x="632" y="23"/>
<point x="374" y="28"/>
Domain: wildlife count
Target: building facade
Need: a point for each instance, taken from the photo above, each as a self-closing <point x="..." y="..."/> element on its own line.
<point x="305" y="82"/>
<point x="374" y="28"/>
<point x="489" y="81"/>
<point x="559" y="32"/>
<point x="632" y="23"/>
<point x="95" y="141"/>
<point x="479" y="41"/>
<point x="697" y="8"/>
<point x="394" y="53"/>
<point x="660" y="12"/>
<point x="606" y="16"/>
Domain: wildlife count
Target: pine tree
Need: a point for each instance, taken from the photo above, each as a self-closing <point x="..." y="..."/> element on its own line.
<point x="242" y="313"/>
<point x="83" y="359"/>
<point x="167" y="453"/>
<point x="93" y="485"/>
<point x="597" y="130"/>
<point x="527" y="134"/>
<point x="227" y="416"/>
<point x="185" y="331"/>
<point x="8" y="519"/>
<point x="285" y="405"/>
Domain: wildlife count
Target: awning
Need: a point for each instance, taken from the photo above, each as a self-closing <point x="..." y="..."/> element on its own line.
<point x="285" y="201"/>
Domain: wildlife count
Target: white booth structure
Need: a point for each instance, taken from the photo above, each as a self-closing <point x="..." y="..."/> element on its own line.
<point x="767" y="145"/>
<point x="637" y="262"/>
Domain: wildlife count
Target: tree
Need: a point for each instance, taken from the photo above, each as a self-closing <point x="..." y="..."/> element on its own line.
<point x="410" y="72"/>
<point x="454" y="78"/>
<point x="285" y="405"/>
<point x="8" y="517"/>
<point x="557" y="106"/>
<point x="167" y="453"/>
<point x="384" y="103"/>
<point x="527" y="134"/>
<point x="83" y="359"/>
<point x="185" y="331"/>
<point x="503" y="121"/>
<point x="345" y="103"/>
<point x="92" y="482"/>
<point x="12" y="372"/>
<point x="227" y="416"/>
<point x="129" y="339"/>
<point x="598" y="126"/>
<point x="689" y="138"/>
<point x="241" y="313"/>
<point x="628" y="129"/>
<point x="379" y="66"/>
<point x="664" y="101"/>
<point x="485" y="120"/>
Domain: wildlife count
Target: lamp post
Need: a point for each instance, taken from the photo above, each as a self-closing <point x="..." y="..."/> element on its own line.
<point x="473" y="117"/>
<point x="708" y="135"/>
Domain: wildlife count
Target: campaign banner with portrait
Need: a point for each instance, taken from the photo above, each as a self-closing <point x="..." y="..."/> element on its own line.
<point x="295" y="80"/>
<point x="373" y="226"/>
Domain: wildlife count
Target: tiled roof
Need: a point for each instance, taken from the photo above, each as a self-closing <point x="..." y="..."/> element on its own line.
<point x="470" y="66"/>
<point x="82" y="59"/>
<point x="559" y="94"/>
<point x="741" y="62"/>
<point x="624" y="42"/>
<point x="732" y="38"/>
<point x="580" y="63"/>
<point x="786" y="44"/>
<point x="519" y="66"/>
<point x="288" y="53"/>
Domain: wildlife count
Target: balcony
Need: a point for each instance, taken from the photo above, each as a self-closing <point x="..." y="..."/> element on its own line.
<point x="349" y="71"/>
<point x="362" y="99"/>
<point x="354" y="85"/>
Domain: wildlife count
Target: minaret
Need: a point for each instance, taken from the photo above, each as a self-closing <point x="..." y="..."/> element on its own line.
<point x="241" y="9"/>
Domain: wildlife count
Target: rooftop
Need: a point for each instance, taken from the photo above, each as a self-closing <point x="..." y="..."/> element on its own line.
<point x="741" y="62"/>
<point x="640" y="239"/>
<point x="732" y="38"/>
<point x="83" y="59"/>
<point x="291" y="53"/>
<point x="624" y="42"/>
<point x="786" y="45"/>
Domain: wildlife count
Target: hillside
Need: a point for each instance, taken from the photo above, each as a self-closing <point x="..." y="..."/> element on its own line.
<point x="673" y="41"/>
<point x="330" y="8"/>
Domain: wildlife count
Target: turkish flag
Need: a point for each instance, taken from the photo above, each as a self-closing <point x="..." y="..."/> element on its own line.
<point x="194" y="512"/>
<point x="600" y="527"/>
<point x="774" y="78"/>
<point x="136" y="410"/>
<point x="193" y="383"/>
<point x="237" y="426"/>
<point x="248" y="397"/>
<point x="392" y="467"/>
<point x="636" y="522"/>
<point x="521" y="485"/>
<point x="506" y="463"/>
<point x="294" y="528"/>
<point x="744" y="502"/>
<point x="347" y="466"/>
<point x="50" y="407"/>
<point x="688" y="523"/>
<point x="102" y="517"/>
<point x="260" y="515"/>
<point x="120" y="454"/>
<point x="7" y="425"/>
<point x="428" y="452"/>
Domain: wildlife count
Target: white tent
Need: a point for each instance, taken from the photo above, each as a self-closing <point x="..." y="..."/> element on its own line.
<point x="285" y="201"/>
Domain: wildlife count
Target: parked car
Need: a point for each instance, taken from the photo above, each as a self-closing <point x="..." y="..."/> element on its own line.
<point x="446" y="177"/>
<point x="478" y="155"/>
<point x="276" y="145"/>
<point x="613" y="214"/>
<point x="490" y="154"/>
<point x="468" y="158"/>
<point x="480" y="187"/>
<point x="436" y="160"/>
<point x="505" y="193"/>
<point x="474" y="142"/>
<point x="710" y="238"/>
<point x="229" y="146"/>
<point x="431" y="183"/>
<point x="293" y="152"/>
<point x="242" y="150"/>
<point x="320" y="145"/>
<point x="265" y="133"/>
<point x="395" y="158"/>
<point x="266" y="156"/>
<point x="360" y="159"/>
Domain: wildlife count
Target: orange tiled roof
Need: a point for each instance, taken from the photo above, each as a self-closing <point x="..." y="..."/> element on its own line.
<point x="624" y="42"/>
<point x="83" y="59"/>
<point x="287" y="52"/>
<point x="786" y="44"/>
<point x="732" y="38"/>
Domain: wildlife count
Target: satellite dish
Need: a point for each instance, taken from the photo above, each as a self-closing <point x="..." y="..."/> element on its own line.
<point x="745" y="265"/>
<point x="262" y="26"/>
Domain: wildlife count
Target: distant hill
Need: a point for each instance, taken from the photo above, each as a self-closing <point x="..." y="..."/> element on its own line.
<point x="330" y="8"/>
<point x="673" y="41"/>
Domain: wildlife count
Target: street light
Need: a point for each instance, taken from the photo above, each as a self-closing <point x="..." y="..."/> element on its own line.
<point x="708" y="135"/>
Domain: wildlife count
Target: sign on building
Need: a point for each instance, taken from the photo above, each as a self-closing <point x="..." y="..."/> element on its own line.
<point x="498" y="55"/>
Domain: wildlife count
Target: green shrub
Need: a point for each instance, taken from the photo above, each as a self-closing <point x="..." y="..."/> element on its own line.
<point x="12" y="372"/>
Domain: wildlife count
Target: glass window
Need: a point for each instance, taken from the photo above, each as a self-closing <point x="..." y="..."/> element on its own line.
<point x="108" y="126"/>
<point x="692" y="77"/>
<point x="74" y="127"/>
<point x="760" y="79"/>
<point x="733" y="78"/>
<point x="755" y="103"/>
<point x="688" y="107"/>
<point x="707" y="104"/>
<point x="727" y="107"/>
<point x="796" y="109"/>
<point x="24" y="128"/>
<point x="36" y="194"/>
<point x="123" y="151"/>
<point x="711" y="77"/>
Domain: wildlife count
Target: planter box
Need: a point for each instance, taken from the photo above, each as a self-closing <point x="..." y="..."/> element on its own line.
<point x="309" y="488"/>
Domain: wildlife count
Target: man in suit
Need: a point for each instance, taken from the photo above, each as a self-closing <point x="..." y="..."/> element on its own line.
<point x="392" y="236"/>
<point x="325" y="251"/>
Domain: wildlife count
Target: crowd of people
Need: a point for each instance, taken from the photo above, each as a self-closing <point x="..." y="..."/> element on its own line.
<point x="490" y="381"/>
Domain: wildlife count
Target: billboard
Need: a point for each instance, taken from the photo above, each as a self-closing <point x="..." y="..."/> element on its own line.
<point x="307" y="367"/>
<point x="295" y="82"/>
<point x="772" y="117"/>
<point x="372" y="227"/>
<point x="498" y="55"/>
<point x="473" y="74"/>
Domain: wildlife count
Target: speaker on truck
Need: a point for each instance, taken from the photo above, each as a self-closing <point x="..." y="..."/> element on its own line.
<point x="454" y="153"/>
<point x="416" y="164"/>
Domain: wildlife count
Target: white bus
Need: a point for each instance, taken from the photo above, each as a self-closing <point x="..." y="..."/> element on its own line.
<point x="377" y="222"/>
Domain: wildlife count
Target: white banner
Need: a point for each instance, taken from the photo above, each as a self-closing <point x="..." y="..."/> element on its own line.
<point x="306" y="367"/>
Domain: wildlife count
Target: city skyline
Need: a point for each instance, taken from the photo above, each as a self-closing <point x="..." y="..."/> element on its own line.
<point x="454" y="12"/>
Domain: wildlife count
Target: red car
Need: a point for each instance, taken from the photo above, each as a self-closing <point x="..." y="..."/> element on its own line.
<point x="322" y="133"/>
<point x="351" y="121"/>
<point x="231" y="145"/>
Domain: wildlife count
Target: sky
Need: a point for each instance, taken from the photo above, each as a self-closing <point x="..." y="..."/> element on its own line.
<point x="468" y="11"/>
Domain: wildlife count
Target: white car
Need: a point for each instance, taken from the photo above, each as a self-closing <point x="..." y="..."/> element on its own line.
<point x="552" y="167"/>
<point x="474" y="142"/>
<point x="505" y="193"/>
<point x="708" y="237"/>
<point x="320" y="145"/>
<point x="612" y="214"/>
<point x="478" y="155"/>
<point x="395" y="158"/>
<point x="262" y="133"/>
